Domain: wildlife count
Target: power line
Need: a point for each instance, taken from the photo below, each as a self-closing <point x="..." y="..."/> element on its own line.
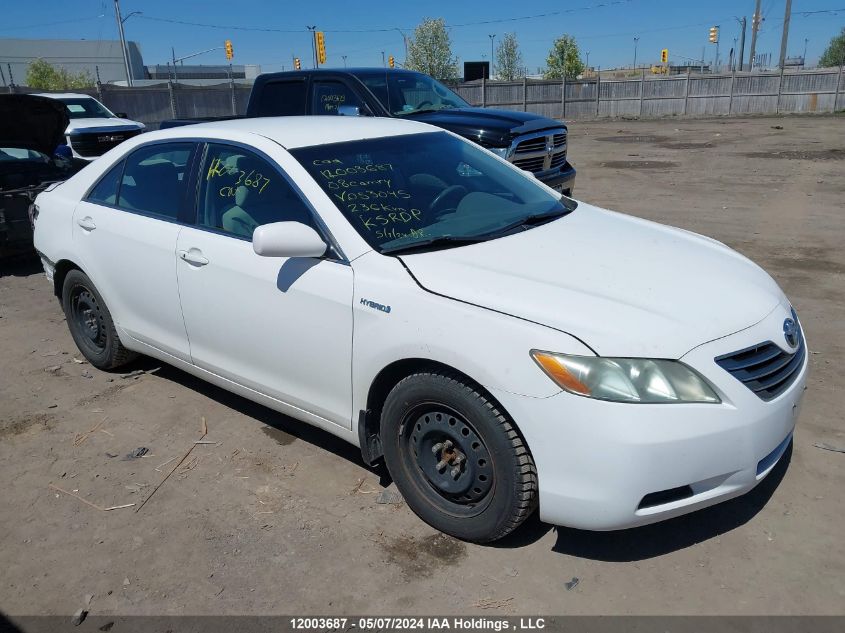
<point x="42" y="24"/>
<point x="386" y="29"/>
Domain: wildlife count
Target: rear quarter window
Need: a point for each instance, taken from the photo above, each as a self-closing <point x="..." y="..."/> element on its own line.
<point x="105" y="190"/>
<point x="282" y="98"/>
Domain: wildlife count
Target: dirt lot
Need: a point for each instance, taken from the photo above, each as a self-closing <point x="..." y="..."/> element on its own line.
<point x="273" y="517"/>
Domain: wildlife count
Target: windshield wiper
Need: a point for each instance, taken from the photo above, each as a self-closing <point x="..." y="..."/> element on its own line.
<point x="530" y="220"/>
<point x="434" y="242"/>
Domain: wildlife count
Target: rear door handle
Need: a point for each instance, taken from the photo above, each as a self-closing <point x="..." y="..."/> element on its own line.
<point x="87" y="223"/>
<point x="194" y="257"/>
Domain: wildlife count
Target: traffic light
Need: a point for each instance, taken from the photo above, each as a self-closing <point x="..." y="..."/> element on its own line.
<point x="714" y="34"/>
<point x="230" y="52"/>
<point x="321" y="47"/>
<point x="390" y="61"/>
<point x="297" y="64"/>
<point x="664" y="55"/>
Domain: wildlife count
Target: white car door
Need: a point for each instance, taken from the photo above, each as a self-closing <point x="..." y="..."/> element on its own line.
<point x="126" y="229"/>
<point x="279" y="326"/>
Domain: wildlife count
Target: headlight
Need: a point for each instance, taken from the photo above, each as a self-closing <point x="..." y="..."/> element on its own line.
<point x="500" y="151"/>
<point x="626" y="379"/>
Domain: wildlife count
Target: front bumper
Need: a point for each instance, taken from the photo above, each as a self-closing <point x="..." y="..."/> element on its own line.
<point x="562" y="179"/>
<point x="607" y="466"/>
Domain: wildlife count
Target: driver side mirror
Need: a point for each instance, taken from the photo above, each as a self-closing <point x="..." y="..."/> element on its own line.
<point x="287" y="239"/>
<point x="121" y="115"/>
<point x="349" y="110"/>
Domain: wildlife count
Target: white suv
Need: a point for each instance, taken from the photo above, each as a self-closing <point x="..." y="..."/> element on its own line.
<point x="93" y="128"/>
<point x="498" y="344"/>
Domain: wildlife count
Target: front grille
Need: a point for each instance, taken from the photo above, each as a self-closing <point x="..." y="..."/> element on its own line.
<point x="765" y="368"/>
<point x="531" y="145"/>
<point x="530" y="164"/>
<point x="98" y="143"/>
<point x="540" y="151"/>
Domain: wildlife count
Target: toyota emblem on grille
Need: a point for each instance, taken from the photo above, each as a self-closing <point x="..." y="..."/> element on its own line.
<point x="790" y="332"/>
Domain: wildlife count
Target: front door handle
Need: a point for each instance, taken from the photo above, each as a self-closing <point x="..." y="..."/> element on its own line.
<point x="87" y="223"/>
<point x="194" y="257"/>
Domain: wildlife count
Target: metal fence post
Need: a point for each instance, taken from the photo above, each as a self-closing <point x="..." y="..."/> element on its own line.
<point x="563" y="98"/>
<point x="483" y="92"/>
<point x="598" y="92"/>
<point x="234" y="98"/>
<point x="686" y="91"/>
<point x="780" y="89"/>
<point x="838" y="82"/>
<point x="642" y="89"/>
<point x="172" y="95"/>
<point x="525" y="94"/>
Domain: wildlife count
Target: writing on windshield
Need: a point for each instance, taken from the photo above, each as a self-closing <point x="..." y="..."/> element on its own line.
<point x="420" y="189"/>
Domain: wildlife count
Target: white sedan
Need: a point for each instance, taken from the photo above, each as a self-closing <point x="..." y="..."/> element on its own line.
<point x="498" y="345"/>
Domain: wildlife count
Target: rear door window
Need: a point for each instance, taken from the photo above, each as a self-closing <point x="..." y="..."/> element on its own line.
<point x="282" y="98"/>
<point x="328" y="96"/>
<point x="105" y="191"/>
<point x="155" y="180"/>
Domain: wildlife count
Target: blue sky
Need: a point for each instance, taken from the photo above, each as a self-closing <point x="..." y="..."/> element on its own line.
<point x="361" y="30"/>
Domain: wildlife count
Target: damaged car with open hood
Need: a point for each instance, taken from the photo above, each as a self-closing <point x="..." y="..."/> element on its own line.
<point x="32" y="134"/>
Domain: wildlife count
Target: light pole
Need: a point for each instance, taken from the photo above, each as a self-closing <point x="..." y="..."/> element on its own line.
<point x="492" y="37"/>
<point x="588" y="60"/>
<point x="344" y="60"/>
<point x="804" y="58"/>
<point x="120" y="21"/>
<point x="313" y="45"/>
<point x="404" y="40"/>
<point x="636" y="41"/>
<point x="382" y="60"/>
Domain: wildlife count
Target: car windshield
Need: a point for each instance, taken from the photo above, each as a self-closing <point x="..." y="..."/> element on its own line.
<point x="425" y="191"/>
<point x="405" y="93"/>
<point x="85" y="108"/>
<point x="19" y="154"/>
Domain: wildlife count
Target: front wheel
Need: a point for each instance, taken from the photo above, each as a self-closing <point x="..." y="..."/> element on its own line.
<point x="90" y="323"/>
<point x="458" y="461"/>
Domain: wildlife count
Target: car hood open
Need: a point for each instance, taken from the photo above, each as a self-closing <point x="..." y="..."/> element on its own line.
<point x="622" y="285"/>
<point x="32" y="122"/>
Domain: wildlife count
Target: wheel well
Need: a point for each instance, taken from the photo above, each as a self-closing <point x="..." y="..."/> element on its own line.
<point x="369" y="420"/>
<point x="61" y="269"/>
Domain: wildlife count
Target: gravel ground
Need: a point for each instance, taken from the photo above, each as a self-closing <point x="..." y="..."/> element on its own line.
<point x="274" y="517"/>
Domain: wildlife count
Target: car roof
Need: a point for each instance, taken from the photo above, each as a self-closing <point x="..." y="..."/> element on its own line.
<point x="63" y="95"/>
<point x="299" y="131"/>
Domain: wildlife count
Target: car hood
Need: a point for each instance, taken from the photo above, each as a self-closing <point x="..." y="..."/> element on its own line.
<point x="494" y="126"/>
<point x="624" y="286"/>
<point x="31" y="122"/>
<point x="101" y="124"/>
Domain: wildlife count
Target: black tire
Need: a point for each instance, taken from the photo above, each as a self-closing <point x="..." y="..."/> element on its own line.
<point x="433" y="418"/>
<point x="90" y="323"/>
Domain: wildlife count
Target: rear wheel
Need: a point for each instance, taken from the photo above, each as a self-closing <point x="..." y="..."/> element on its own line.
<point x="90" y="323"/>
<point x="456" y="458"/>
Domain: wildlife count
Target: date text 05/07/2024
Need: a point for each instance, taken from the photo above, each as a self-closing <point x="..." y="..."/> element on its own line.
<point x="399" y="623"/>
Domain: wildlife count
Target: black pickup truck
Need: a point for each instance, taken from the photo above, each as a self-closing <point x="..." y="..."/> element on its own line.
<point x="532" y="142"/>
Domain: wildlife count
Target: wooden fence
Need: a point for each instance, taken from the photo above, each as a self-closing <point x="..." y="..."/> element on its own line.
<point x="646" y="97"/>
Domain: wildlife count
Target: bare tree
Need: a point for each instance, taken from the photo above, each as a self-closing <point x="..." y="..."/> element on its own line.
<point x="430" y="51"/>
<point x="509" y="59"/>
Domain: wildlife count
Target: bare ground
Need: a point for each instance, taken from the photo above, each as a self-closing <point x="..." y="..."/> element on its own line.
<point x="274" y="517"/>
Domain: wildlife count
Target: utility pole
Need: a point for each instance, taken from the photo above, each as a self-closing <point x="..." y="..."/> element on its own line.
<point x="741" y="43"/>
<point x="344" y="60"/>
<point x="313" y="30"/>
<point x="122" y="42"/>
<point x="382" y="60"/>
<point x="785" y="36"/>
<point x="492" y="59"/>
<point x="756" y="19"/>
<point x="588" y="60"/>
<point x="804" y="56"/>
<point x="636" y="39"/>
<point x="173" y="55"/>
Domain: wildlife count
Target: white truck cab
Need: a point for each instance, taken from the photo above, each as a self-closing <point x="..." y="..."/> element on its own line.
<point x="93" y="129"/>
